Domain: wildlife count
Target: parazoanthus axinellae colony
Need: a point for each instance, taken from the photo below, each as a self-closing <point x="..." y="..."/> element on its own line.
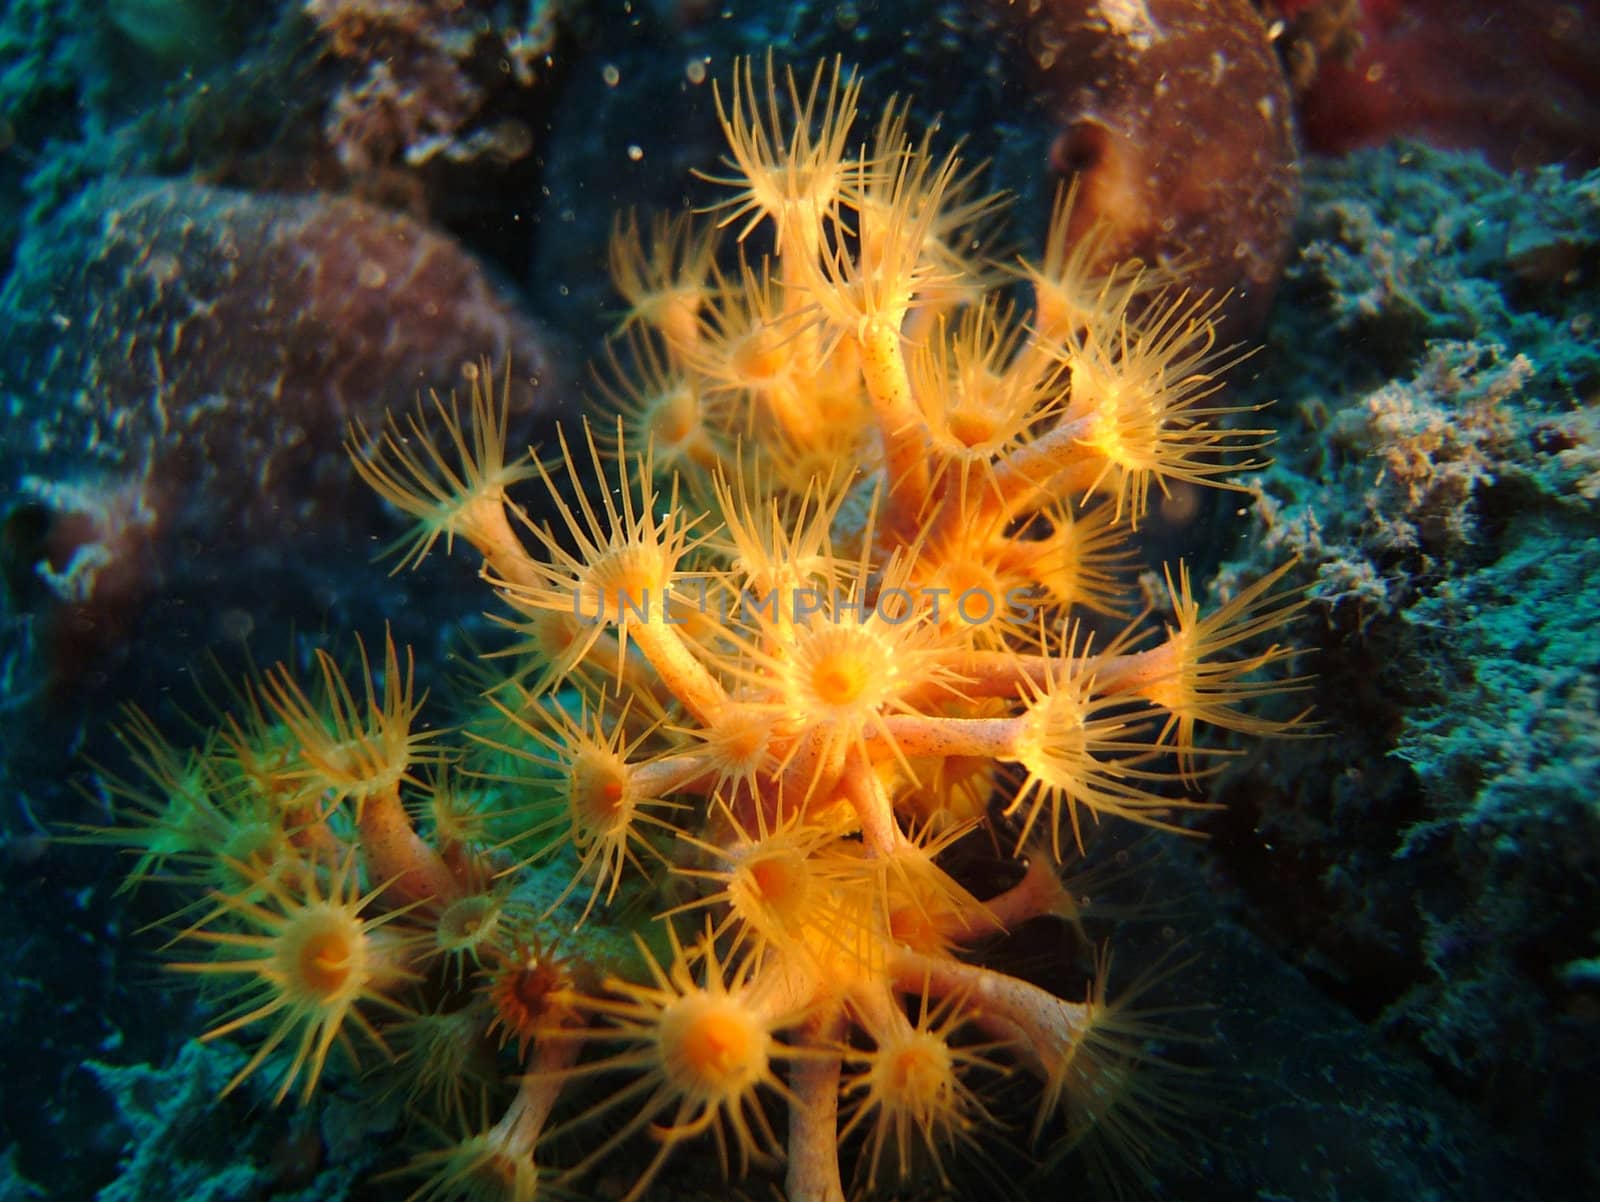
<point x="814" y="603"/>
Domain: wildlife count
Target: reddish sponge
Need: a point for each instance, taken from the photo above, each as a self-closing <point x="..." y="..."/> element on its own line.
<point x="1515" y="81"/>
<point x="1175" y="117"/>
<point x="186" y="355"/>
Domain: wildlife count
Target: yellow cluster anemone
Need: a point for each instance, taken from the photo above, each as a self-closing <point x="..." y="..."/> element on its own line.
<point x="309" y="959"/>
<point x="833" y="596"/>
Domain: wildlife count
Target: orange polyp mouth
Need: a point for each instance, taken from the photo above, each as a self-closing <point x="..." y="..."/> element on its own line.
<point x="535" y="984"/>
<point x="325" y="963"/>
<point x="747" y="745"/>
<point x="759" y="360"/>
<point x="772" y="894"/>
<point x="917" y="1072"/>
<point x="972" y="576"/>
<point x="675" y="419"/>
<point x="776" y="880"/>
<point x="631" y="588"/>
<point x="720" y="1048"/>
<point x="527" y="999"/>
<point x="716" y="1048"/>
<point x="838" y="680"/>
<point x="971" y="429"/>
<point x="598" y="797"/>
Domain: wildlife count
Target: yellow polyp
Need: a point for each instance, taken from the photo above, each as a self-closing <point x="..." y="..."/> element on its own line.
<point x="598" y="792"/>
<point x="788" y="178"/>
<point x="666" y="284"/>
<point x="450" y="483"/>
<point x="675" y="419"/>
<point x="759" y="360"/>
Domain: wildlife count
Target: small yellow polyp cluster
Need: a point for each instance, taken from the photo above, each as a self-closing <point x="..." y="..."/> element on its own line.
<point x="814" y="603"/>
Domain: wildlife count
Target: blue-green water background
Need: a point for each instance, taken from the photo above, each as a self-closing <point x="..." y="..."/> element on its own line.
<point x="1397" y="925"/>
